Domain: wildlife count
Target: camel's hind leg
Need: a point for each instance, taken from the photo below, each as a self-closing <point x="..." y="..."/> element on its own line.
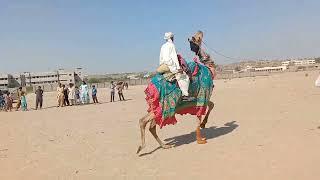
<point x="153" y="130"/>
<point x="205" y="120"/>
<point x="143" y="122"/>
<point x="200" y="139"/>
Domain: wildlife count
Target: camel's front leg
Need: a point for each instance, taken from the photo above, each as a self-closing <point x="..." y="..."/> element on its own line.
<point x="153" y="130"/>
<point x="142" y="123"/>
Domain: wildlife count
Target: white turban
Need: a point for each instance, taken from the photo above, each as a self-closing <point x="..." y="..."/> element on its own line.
<point x="168" y="35"/>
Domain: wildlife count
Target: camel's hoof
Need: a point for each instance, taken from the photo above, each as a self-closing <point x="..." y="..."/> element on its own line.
<point x="201" y="141"/>
<point x="139" y="149"/>
<point x="167" y="146"/>
<point x="203" y="125"/>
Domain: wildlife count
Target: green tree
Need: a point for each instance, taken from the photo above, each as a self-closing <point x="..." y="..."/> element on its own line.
<point x="317" y="60"/>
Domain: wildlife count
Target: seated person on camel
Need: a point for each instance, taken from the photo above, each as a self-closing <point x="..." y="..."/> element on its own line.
<point x="195" y="46"/>
<point x="170" y="66"/>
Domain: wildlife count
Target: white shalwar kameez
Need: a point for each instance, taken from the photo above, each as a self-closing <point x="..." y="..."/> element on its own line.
<point x="168" y="56"/>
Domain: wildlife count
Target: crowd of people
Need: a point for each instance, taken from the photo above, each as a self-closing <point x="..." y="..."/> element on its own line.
<point x="6" y="101"/>
<point x="66" y="96"/>
<point x="74" y="95"/>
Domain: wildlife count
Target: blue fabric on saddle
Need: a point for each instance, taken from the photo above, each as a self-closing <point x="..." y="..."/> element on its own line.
<point x="165" y="103"/>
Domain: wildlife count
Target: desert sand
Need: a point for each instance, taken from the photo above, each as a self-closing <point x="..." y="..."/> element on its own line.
<point x="262" y="128"/>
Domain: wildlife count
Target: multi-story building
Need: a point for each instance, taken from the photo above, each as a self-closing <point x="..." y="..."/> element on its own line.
<point x="303" y="62"/>
<point x="63" y="76"/>
<point x="285" y="63"/>
<point x="37" y="78"/>
<point x="40" y="78"/>
<point x="3" y="81"/>
<point x="11" y="80"/>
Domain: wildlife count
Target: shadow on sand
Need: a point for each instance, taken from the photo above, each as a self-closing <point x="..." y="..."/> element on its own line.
<point x="210" y="133"/>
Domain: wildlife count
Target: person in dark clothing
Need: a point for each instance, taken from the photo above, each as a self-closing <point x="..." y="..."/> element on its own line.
<point x="39" y="97"/>
<point x="120" y="92"/>
<point x="94" y="94"/>
<point x="77" y="93"/>
<point x="19" y="92"/>
<point x="66" y="96"/>
<point x="112" y="88"/>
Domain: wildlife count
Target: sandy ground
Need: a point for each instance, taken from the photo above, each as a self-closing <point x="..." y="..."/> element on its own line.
<point x="261" y="128"/>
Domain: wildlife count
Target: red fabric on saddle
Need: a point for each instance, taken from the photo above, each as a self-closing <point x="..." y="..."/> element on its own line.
<point x="196" y="110"/>
<point x="154" y="106"/>
<point x="153" y="100"/>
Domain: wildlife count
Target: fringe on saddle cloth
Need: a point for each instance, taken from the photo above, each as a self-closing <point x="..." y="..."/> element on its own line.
<point x="165" y="71"/>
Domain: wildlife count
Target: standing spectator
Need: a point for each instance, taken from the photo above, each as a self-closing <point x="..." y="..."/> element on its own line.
<point x="8" y="101"/>
<point x="23" y="99"/>
<point x="39" y="97"/>
<point x="2" y="101"/>
<point x="77" y="93"/>
<point x="84" y="93"/>
<point x="66" y="96"/>
<point x="19" y="94"/>
<point x="72" y="94"/>
<point x="60" y="95"/>
<point x="94" y="94"/>
<point x="112" y="87"/>
<point x="120" y="91"/>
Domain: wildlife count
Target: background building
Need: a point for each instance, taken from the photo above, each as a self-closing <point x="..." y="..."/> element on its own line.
<point x="3" y="81"/>
<point x="11" y="80"/>
<point x="40" y="78"/>
<point x="302" y="62"/>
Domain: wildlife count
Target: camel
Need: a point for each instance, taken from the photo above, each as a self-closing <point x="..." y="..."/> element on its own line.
<point x="163" y="105"/>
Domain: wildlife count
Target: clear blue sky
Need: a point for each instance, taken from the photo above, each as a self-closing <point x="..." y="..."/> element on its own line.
<point x="120" y="36"/>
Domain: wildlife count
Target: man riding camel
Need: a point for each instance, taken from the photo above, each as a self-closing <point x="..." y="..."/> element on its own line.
<point x="164" y="97"/>
<point x="170" y="67"/>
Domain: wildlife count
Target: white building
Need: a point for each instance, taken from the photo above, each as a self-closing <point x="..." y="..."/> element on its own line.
<point x="304" y="62"/>
<point x="299" y="62"/>
<point x="247" y="69"/>
<point x="271" y="69"/>
<point x="37" y="78"/>
<point x="3" y="81"/>
<point x="285" y="63"/>
<point x="14" y="80"/>
<point x="40" y="78"/>
<point x="63" y="76"/>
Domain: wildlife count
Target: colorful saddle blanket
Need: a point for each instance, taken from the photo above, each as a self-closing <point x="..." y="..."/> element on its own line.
<point x="163" y="97"/>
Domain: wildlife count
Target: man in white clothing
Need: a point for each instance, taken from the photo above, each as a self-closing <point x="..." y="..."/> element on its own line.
<point x="169" y="57"/>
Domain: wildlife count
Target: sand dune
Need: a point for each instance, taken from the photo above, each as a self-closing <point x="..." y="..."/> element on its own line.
<point x="261" y="128"/>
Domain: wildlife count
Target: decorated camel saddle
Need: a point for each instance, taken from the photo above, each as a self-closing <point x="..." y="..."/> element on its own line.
<point x="164" y="97"/>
